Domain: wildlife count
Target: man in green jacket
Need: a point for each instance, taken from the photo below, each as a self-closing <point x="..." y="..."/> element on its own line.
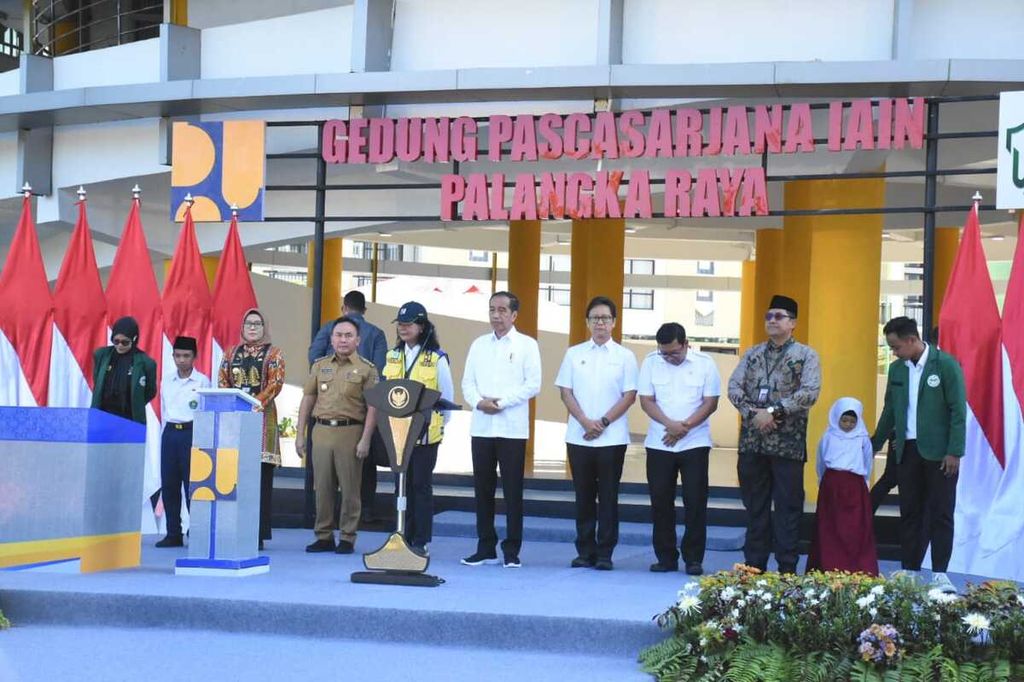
<point x="926" y="410"/>
<point x="124" y="378"/>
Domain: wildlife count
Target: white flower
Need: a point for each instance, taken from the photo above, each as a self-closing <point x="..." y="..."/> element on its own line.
<point x="937" y="617"/>
<point x="736" y="614"/>
<point x="688" y="604"/>
<point x="767" y="607"/>
<point x="728" y="594"/>
<point x="762" y="582"/>
<point x="873" y="611"/>
<point x="824" y="594"/>
<point x="878" y="590"/>
<point x="1020" y="599"/>
<point x="866" y="601"/>
<point x="767" y="597"/>
<point x="976" y="623"/>
<point x="809" y="594"/>
<point x="814" y="602"/>
<point x="938" y="596"/>
<point x="703" y="643"/>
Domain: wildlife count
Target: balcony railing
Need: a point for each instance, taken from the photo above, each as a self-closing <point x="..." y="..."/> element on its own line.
<point x="63" y="27"/>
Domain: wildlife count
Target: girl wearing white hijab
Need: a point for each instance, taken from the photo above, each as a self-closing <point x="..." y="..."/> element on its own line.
<point x="844" y="539"/>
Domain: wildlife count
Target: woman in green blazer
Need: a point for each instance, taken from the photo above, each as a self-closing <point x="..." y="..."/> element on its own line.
<point x="124" y="378"/>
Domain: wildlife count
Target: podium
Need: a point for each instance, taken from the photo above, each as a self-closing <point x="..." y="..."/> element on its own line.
<point x="404" y="408"/>
<point x="224" y="481"/>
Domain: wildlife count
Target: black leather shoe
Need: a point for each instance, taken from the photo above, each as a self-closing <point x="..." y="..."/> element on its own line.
<point x="171" y="541"/>
<point x="345" y="547"/>
<point x="479" y="559"/>
<point x="694" y="568"/>
<point x="659" y="567"/>
<point x="326" y="545"/>
<point x="604" y="564"/>
<point x="582" y="562"/>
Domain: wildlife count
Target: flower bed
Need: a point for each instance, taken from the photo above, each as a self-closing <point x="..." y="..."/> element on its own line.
<point x="744" y="625"/>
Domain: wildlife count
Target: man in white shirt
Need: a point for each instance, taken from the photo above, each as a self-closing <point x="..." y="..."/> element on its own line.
<point x="597" y="381"/>
<point x="178" y="400"/>
<point x="679" y="389"/>
<point x="502" y="374"/>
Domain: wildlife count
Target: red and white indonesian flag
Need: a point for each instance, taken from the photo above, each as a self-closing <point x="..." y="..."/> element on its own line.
<point x="1001" y="549"/>
<point x="26" y="319"/>
<point x="132" y="290"/>
<point x="971" y="332"/>
<point x="232" y="296"/>
<point x="79" y="320"/>
<point x="187" y="300"/>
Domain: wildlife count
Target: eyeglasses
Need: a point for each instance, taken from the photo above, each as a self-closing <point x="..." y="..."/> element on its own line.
<point x="768" y="317"/>
<point x="121" y="342"/>
<point x="254" y="325"/>
<point x="675" y="355"/>
<point x="600" y="319"/>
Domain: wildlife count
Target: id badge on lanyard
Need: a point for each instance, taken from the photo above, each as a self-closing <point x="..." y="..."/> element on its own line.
<point x="762" y="395"/>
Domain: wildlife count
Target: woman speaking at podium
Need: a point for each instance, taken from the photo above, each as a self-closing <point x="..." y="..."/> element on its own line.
<point x="417" y="355"/>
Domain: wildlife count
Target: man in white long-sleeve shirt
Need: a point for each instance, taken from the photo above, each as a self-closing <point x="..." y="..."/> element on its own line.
<point x="502" y="374"/>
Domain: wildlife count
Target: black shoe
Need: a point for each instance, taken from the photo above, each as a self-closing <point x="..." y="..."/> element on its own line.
<point x="420" y="549"/>
<point x="694" y="568"/>
<point x="659" y="567"/>
<point x="345" y="547"/>
<point x="582" y="562"/>
<point x="512" y="561"/>
<point x="171" y="541"/>
<point x="604" y="564"/>
<point x="479" y="558"/>
<point x="325" y="545"/>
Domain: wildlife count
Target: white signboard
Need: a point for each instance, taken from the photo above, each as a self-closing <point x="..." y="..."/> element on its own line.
<point x="1010" y="151"/>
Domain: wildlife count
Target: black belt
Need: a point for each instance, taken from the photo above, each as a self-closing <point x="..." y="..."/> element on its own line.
<point x="337" y="422"/>
<point x="180" y="426"/>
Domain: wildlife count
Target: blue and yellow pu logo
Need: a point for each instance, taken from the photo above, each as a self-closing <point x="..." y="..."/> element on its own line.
<point x="213" y="474"/>
<point x="219" y="163"/>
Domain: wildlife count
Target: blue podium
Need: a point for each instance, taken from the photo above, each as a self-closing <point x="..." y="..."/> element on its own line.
<point x="227" y="441"/>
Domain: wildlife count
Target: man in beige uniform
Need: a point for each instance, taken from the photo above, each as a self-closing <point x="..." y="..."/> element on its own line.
<point x="333" y="394"/>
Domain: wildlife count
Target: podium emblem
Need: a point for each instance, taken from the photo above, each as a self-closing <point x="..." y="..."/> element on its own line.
<point x="398" y="397"/>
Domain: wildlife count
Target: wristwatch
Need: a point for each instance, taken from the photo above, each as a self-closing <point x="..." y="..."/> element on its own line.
<point x="604" y="421"/>
<point x="776" y="411"/>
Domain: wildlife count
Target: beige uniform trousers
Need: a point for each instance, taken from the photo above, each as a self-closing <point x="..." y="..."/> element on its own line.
<point x="334" y="463"/>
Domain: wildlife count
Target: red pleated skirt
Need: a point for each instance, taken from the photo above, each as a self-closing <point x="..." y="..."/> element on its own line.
<point x="844" y="537"/>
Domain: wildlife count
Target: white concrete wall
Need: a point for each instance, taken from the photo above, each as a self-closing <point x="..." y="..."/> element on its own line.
<point x="8" y="164"/>
<point x="121" y="65"/>
<point x="700" y="31"/>
<point x="209" y="13"/>
<point x="10" y="82"/>
<point x="83" y="154"/>
<point x="311" y="42"/>
<point x="452" y="34"/>
<point x="954" y="29"/>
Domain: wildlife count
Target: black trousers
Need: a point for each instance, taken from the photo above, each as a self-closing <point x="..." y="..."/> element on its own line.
<point x="884" y="485"/>
<point x="175" y="460"/>
<point x="378" y="457"/>
<point x="927" y="501"/>
<point x="508" y="455"/>
<point x="766" y="480"/>
<point x="596" y="472"/>
<point x="419" y="490"/>
<point x="266" y="492"/>
<point x="664" y="468"/>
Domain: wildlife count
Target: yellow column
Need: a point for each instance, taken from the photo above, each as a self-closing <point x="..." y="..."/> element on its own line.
<point x="598" y="252"/>
<point x="748" y="323"/>
<point x="524" y="282"/>
<point x="836" y="285"/>
<point x="179" y="12"/>
<point x="947" y="241"/>
<point x="210" y="264"/>
<point x="767" y="275"/>
<point x="331" y="302"/>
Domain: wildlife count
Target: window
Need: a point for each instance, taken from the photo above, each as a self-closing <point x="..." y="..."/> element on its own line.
<point x="363" y="281"/>
<point x="639" y="266"/>
<point x="479" y="256"/>
<point x="555" y="263"/>
<point x="555" y="294"/>
<point x="384" y="252"/>
<point x="705" y="267"/>
<point x="704" y="320"/>
<point x="638" y="299"/>
<point x="705" y="295"/>
<point x="913" y="307"/>
<point x="913" y="272"/>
